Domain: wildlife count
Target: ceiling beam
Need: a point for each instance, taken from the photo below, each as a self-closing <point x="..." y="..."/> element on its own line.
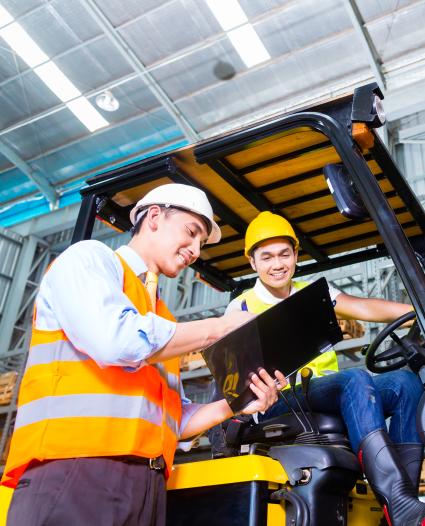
<point x="405" y="100"/>
<point x="374" y="59"/>
<point x="409" y="134"/>
<point x="46" y="224"/>
<point x="129" y="55"/>
<point x="36" y="177"/>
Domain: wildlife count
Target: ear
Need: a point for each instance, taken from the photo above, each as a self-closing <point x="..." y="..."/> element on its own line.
<point x="152" y="218"/>
<point x="296" y="255"/>
<point x="252" y="263"/>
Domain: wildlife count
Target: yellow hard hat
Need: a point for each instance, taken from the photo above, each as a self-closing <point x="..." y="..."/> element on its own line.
<point x="267" y="226"/>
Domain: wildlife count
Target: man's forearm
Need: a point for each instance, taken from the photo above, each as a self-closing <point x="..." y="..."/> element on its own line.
<point x="191" y="336"/>
<point x="369" y="309"/>
<point x="195" y="335"/>
<point x="208" y="415"/>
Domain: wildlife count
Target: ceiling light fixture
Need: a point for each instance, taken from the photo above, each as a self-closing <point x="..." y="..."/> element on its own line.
<point x="241" y="33"/>
<point x="224" y="70"/>
<point x="107" y="101"/>
<point x="249" y="45"/>
<point x="25" y="47"/>
<point x="87" y="114"/>
<point x="59" y="83"/>
<point x="5" y="17"/>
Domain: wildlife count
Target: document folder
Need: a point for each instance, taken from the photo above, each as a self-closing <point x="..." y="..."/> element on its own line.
<point x="285" y="337"/>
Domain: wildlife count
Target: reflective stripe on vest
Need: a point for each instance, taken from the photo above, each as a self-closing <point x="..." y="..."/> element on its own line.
<point x="324" y="364"/>
<point x="64" y="351"/>
<point x="69" y="407"/>
<point x="93" y="405"/>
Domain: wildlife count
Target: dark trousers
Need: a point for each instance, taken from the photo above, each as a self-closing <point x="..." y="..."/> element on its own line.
<point x="89" y="492"/>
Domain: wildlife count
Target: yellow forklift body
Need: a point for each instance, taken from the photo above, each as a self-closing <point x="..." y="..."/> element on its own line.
<point x="226" y="471"/>
<point x="363" y="509"/>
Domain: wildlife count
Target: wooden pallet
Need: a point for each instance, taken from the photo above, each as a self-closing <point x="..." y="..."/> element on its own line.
<point x="7" y="384"/>
<point x="5" y="453"/>
<point x="191" y="361"/>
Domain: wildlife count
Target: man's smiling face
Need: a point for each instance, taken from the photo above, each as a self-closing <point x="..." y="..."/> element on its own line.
<point x="182" y="235"/>
<point x="274" y="260"/>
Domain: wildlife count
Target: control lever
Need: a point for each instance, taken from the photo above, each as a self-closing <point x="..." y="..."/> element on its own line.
<point x="306" y="375"/>
<point x="292" y="382"/>
<point x="291" y="409"/>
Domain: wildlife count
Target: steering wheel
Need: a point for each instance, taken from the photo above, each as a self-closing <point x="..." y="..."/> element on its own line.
<point x="401" y="352"/>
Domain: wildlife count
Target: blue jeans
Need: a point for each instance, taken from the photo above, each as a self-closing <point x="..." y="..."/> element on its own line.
<point x="364" y="401"/>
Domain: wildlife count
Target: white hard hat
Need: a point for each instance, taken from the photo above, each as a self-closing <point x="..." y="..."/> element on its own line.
<point x="181" y="196"/>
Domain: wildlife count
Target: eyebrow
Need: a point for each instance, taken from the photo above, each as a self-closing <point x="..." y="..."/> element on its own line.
<point x="272" y="254"/>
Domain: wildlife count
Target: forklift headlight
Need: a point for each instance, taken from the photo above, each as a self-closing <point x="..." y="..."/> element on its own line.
<point x="378" y="109"/>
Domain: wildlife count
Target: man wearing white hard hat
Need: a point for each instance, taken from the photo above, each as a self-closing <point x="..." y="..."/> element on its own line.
<point x="101" y="406"/>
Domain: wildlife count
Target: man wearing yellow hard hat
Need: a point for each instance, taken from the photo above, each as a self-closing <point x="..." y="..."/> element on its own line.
<point x="363" y="401"/>
<point x="101" y="405"/>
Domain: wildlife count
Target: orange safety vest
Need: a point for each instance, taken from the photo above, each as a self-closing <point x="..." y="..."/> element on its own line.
<point x="69" y="407"/>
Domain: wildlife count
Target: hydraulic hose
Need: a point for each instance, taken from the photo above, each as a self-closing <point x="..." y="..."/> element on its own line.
<point x="302" y="515"/>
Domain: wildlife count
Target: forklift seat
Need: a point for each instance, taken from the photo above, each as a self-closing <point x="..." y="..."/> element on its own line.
<point x="287" y="428"/>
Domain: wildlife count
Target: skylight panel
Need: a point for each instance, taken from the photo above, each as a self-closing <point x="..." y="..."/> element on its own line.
<point x="249" y="45"/>
<point x="5" y="17"/>
<point x="24" y="46"/>
<point x="241" y="33"/>
<point x="87" y="114"/>
<point x="59" y="83"/>
<point x="229" y="13"/>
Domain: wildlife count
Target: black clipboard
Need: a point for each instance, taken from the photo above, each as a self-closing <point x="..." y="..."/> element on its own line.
<point x="285" y="337"/>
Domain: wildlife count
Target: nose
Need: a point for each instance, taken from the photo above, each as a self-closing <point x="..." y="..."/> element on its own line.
<point x="278" y="262"/>
<point x="195" y="250"/>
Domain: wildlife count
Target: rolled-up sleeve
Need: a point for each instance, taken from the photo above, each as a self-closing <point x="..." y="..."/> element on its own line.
<point x="333" y="292"/>
<point x="83" y="295"/>
<point x="188" y="410"/>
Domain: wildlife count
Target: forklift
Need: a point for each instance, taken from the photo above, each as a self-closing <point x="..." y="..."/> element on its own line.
<point x="327" y="171"/>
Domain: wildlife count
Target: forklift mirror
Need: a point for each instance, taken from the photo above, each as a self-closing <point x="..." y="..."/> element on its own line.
<point x="344" y="192"/>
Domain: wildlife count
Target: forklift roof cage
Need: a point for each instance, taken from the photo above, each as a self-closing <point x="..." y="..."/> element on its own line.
<point x="278" y="165"/>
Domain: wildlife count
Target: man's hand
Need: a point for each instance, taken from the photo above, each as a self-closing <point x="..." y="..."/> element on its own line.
<point x="266" y="389"/>
<point x="262" y="384"/>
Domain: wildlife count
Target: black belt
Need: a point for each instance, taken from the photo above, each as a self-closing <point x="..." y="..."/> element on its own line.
<point x="157" y="463"/>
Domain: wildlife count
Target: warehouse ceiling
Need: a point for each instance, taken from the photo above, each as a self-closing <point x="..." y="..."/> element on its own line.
<point x="174" y="71"/>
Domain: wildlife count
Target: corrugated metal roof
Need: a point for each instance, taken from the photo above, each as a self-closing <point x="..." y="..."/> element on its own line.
<point x="315" y="53"/>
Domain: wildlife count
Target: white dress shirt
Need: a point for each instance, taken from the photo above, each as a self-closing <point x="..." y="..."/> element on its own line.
<point x="82" y="294"/>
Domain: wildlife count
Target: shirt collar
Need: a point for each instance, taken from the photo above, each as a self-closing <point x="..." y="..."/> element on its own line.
<point x="265" y="295"/>
<point x="133" y="260"/>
